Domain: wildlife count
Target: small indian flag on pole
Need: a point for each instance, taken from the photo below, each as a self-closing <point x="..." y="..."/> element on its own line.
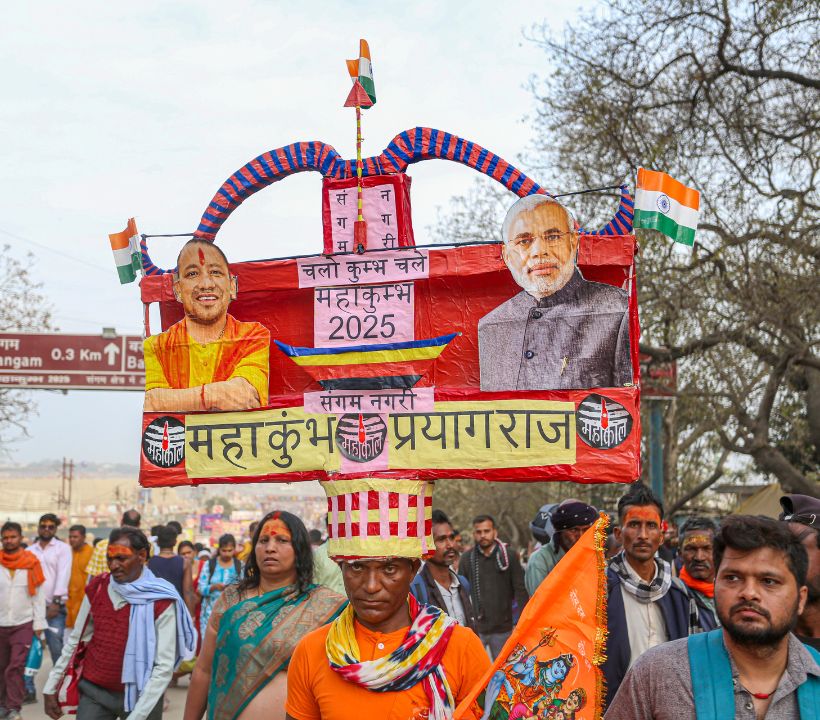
<point x="362" y="70"/>
<point x="126" y="247"/>
<point x="664" y="204"/>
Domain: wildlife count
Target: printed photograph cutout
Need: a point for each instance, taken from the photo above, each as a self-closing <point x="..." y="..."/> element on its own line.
<point x="561" y="332"/>
<point x="208" y="360"/>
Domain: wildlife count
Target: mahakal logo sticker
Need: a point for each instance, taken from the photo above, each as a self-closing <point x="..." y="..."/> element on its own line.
<point x="361" y="438"/>
<point x="602" y="423"/>
<point x="163" y="442"/>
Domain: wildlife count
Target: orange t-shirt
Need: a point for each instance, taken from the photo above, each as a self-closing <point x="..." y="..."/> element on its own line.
<point x="317" y="692"/>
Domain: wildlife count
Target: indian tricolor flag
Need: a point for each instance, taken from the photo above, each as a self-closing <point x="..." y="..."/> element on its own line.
<point x="362" y="70"/>
<point x="662" y="203"/>
<point x="126" y="247"/>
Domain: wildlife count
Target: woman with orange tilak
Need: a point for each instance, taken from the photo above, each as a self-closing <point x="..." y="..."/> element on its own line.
<point x="256" y="624"/>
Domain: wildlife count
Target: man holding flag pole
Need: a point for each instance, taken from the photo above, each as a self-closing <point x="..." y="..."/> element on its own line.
<point x="551" y="662"/>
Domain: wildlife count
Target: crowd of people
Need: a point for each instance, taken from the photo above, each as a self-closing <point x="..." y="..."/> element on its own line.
<point x="714" y="614"/>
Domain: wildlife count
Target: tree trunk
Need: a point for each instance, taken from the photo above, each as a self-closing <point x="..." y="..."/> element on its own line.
<point x="813" y="408"/>
<point x="771" y="460"/>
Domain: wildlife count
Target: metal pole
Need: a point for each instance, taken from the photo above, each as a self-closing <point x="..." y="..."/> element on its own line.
<point x="656" y="447"/>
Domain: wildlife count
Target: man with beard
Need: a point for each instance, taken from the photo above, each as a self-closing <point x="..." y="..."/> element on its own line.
<point x="752" y="667"/>
<point x="646" y="606"/>
<point x="802" y="513"/>
<point x="698" y="571"/>
<point x="437" y="583"/>
<point x="55" y="558"/>
<point x="496" y="580"/>
<point x="208" y="360"/>
<point x="561" y="331"/>
<point x="22" y="614"/>
<point x="570" y="520"/>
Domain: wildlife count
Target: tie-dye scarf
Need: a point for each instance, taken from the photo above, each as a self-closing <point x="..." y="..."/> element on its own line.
<point x="417" y="659"/>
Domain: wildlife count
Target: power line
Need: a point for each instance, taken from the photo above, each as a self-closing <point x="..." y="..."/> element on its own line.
<point x="52" y="250"/>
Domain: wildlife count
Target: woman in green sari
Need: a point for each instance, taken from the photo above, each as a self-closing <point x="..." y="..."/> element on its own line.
<point x="256" y="624"/>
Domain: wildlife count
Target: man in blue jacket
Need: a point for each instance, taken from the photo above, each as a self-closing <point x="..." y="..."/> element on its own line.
<point x="646" y="606"/>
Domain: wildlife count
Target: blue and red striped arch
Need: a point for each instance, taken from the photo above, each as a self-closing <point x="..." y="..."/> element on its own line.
<point x="408" y="147"/>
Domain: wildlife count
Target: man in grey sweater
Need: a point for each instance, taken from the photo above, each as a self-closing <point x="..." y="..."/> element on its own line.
<point x="753" y="664"/>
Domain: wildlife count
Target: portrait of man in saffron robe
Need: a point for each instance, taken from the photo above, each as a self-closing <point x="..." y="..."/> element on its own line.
<point x="561" y="332"/>
<point x="208" y="360"/>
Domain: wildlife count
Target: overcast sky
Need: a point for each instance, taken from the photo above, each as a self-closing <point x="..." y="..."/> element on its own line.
<point x="112" y="110"/>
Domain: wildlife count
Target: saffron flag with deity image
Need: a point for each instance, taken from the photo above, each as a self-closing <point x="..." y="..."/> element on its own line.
<point x="550" y="665"/>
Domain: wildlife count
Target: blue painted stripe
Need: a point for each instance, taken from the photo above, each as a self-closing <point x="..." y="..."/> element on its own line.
<point x="394" y="147"/>
<point x="408" y="143"/>
<point x="310" y="155"/>
<point x="267" y="168"/>
<point x="224" y="193"/>
<point x="289" y="156"/>
<point x="235" y="187"/>
<point x="482" y="156"/>
<point x="516" y="186"/>
<point x="506" y="176"/>
<point x="328" y="161"/>
<point x="276" y="161"/>
<point x="392" y="158"/>
<point x="431" y="146"/>
<point x="299" y="154"/>
<point x="256" y="176"/>
<point x="491" y="167"/>
<point x="534" y="190"/>
<point x="628" y="201"/>
<point x="459" y="146"/>
<point x="445" y="144"/>
<point x="294" y="351"/>
<point x="417" y="141"/>
<point x="216" y="206"/>
<point x="210" y="218"/>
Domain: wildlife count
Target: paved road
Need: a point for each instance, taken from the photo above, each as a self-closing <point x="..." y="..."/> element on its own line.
<point x="35" y="712"/>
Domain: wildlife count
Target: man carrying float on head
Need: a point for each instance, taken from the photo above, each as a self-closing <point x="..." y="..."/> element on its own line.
<point x="385" y="656"/>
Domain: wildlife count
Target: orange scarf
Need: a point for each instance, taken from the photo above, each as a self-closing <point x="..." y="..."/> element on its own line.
<point x="24" y="560"/>
<point x="703" y="587"/>
<point x="237" y="342"/>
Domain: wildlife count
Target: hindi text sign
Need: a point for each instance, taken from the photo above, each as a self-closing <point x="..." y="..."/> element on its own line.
<point x="71" y="362"/>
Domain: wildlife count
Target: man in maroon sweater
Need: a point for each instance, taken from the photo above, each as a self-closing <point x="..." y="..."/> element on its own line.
<point x="108" y="623"/>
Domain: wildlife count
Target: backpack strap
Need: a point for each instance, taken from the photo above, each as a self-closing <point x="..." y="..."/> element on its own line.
<point x="465" y="583"/>
<point x="808" y="694"/>
<point x="237" y="566"/>
<point x="711" y="675"/>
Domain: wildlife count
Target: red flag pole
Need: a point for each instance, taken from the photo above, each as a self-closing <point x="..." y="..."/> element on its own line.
<point x="360" y="226"/>
<point x="358" y="98"/>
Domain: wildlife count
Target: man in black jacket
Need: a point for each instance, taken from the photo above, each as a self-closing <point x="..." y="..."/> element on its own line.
<point x="437" y="583"/>
<point x="496" y="579"/>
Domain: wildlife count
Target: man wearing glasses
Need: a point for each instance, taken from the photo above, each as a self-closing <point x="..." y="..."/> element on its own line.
<point x="55" y="558"/>
<point x="561" y="331"/>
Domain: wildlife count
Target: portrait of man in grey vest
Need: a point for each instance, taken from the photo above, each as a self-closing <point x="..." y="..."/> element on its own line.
<point x="561" y="331"/>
